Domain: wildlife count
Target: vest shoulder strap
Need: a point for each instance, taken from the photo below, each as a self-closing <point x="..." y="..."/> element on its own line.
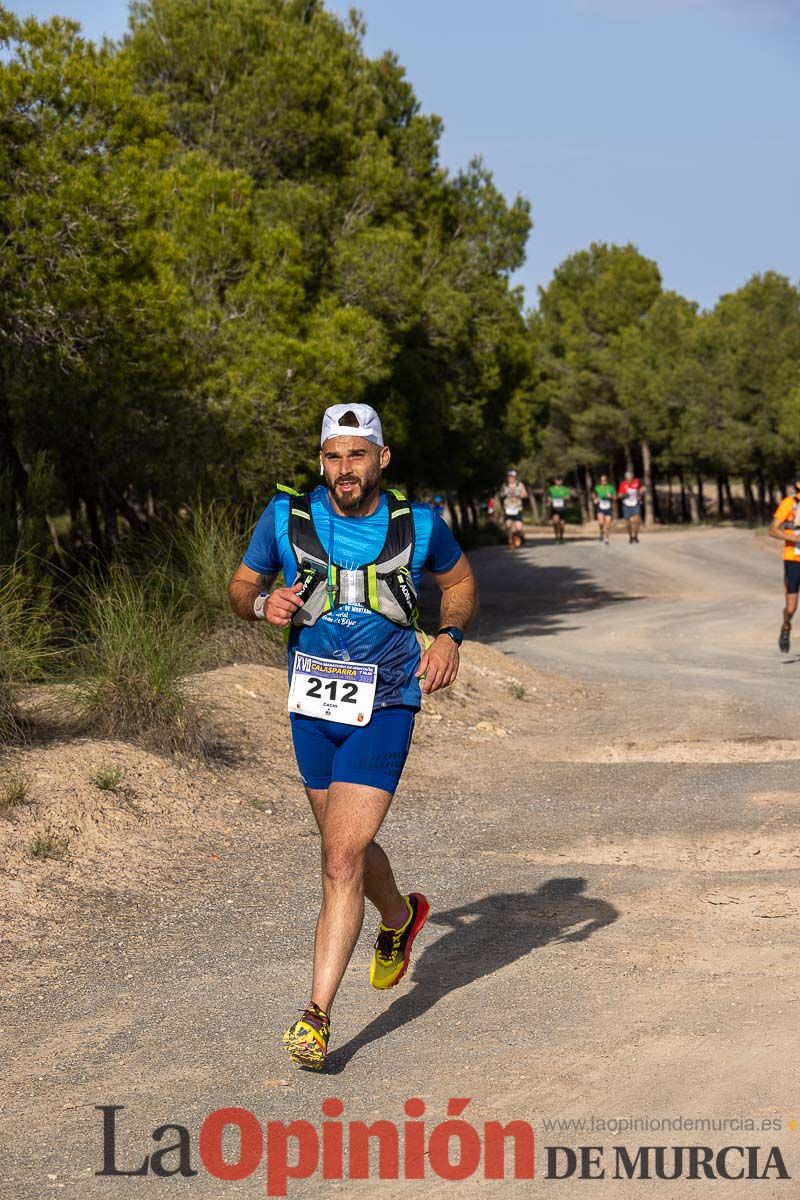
<point x="284" y="487"/>
<point x="400" y="533"/>
<point x="302" y="531"/>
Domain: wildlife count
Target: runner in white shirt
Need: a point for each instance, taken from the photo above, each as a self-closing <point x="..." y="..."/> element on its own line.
<point x="513" y="494"/>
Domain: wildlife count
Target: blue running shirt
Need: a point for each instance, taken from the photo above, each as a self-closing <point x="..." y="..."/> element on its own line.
<point x="353" y="542"/>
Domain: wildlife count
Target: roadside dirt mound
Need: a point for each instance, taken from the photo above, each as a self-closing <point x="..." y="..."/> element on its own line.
<point x="101" y="821"/>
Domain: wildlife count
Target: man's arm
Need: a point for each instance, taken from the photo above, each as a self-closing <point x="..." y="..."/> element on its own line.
<point x="776" y="530"/>
<point x="247" y="584"/>
<point x="439" y="663"/>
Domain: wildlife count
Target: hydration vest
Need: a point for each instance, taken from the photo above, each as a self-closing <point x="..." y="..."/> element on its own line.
<point x="385" y="585"/>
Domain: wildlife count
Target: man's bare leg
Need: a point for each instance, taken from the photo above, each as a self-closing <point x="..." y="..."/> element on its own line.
<point x="380" y="887"/>
<point x="789" y="609"/>
<point x="350" y="816"/>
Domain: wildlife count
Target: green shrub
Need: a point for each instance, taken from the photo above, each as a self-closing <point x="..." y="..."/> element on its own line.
<point x="137" y="649"/>
<point x="107" y="777"/>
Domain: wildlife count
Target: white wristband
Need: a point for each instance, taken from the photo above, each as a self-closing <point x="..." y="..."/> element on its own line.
<point x="259" y="604"/>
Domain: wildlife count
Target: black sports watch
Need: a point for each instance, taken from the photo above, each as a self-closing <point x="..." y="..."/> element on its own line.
<point x="453" y="632"/>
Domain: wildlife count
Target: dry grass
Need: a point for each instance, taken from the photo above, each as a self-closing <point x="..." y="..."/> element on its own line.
<point x="14" y="788"/>
<point x="48" y="843"/>
<point x="132" y="665"/>
<point x="25" y="636"/>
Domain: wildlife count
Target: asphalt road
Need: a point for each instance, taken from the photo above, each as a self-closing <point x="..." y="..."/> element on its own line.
<point x="610" y="940"/>
<point x="680" y="630"/>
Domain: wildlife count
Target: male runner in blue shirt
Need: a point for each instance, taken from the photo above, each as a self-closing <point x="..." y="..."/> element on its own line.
<point x="353" y="557"/>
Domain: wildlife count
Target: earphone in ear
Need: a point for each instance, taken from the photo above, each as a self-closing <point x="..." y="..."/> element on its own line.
<point x="321" y="470"/>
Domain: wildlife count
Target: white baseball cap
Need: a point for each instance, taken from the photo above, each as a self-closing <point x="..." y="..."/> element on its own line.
<point x="368" y="427"/>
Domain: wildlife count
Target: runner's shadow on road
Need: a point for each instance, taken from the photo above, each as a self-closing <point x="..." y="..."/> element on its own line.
<point x="521" y="595"/>
<point x="483" y="937"/>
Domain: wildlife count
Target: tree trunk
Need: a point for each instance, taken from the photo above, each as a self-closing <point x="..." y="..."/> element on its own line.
<point x="720" y="500"/>
<point x="95" y="533"/>
<point x="651" y="506"/>
<point x="475" y="514"/>
<point x="749" y="500"/>
<point x="456" y="514"/>
<point x="463" y="511"/>
<point x="582" y="494"/>
<point x="534" y="504"/>
<point x="669" y="499"/>
<point x="589" y="493"/>
<point x="762" y="496"/>
<point x="773" y="504"/>
<point x="701" y="500"/>
<point x="726" y="487"/>
<point x="629" y="458"/>
<point x="13" y="482"/>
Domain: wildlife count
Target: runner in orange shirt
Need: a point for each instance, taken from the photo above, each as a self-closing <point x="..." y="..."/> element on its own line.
<point x="786" y="526"/>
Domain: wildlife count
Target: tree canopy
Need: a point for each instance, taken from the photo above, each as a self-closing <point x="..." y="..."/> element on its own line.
<point x="235" y="218"/>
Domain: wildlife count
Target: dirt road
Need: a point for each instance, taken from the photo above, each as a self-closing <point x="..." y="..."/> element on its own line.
<point x="612" y="861"/>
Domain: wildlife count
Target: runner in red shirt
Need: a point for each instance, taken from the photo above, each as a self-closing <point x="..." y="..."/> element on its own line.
<point x="630" y="493"/>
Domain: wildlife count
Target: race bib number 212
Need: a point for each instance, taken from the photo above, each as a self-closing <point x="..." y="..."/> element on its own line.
<point x="332" y="689"/>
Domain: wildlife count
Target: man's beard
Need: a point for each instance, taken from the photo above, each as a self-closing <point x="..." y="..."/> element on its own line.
<point x="361" y="494"/>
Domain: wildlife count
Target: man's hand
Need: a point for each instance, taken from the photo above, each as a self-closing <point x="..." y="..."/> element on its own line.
<point x="282" y="604"/>
<point x="247" y="585"/>
<point x="438" y="666"/>
<point x="439" y="663"/>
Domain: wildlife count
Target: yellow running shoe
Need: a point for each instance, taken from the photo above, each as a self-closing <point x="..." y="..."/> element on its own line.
<point x="307" y="1039"/>
<point x="393" y="946"/>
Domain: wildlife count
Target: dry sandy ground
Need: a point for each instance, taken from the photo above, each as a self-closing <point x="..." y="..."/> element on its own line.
<point x="604" y="815"/>
<point x="120" y="841"/>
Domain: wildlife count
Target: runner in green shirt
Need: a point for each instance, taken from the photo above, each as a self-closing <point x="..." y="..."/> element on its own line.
<point x="558" y="496"/>
<point x="604" y="493"/>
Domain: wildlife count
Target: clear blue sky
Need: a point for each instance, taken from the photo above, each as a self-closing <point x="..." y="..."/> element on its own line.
<point x="669" y="123"/>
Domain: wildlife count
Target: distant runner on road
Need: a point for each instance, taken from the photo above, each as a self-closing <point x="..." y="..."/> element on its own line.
<point x="557" y="497"/>
<point x="630" y="493"/>
<point x="604" y="493"/>
<point x="786" y="526"/>
<point x="513" y="495"/>
<point x="353" y="558"/>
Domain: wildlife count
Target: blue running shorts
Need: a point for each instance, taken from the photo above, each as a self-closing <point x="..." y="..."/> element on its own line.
<point x="791" y="576"/>
<point x="374" y="754"/>
<point x="631" y="510"/>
